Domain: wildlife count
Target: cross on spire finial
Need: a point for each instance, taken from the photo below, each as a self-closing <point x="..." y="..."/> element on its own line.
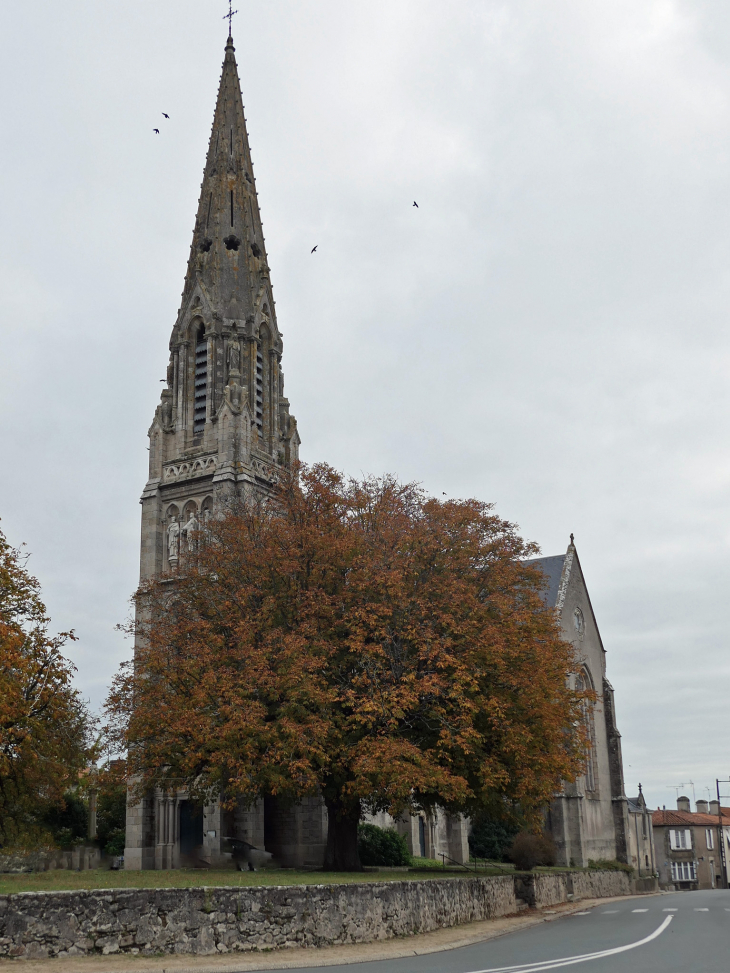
<point x="229" y="17"/>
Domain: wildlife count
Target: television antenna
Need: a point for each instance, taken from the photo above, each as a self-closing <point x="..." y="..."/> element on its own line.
<point x="678" y="787"/>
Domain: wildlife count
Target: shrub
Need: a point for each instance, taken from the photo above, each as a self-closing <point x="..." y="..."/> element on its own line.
<point x="490" y="838"/>
<point x="111" y="817"/>
<point x="529" y="850"/>
<point x="68" y="822"/>
<point x="378" y="846"/>
<point x="115" y="842"/>
<point x="608" y="865"/>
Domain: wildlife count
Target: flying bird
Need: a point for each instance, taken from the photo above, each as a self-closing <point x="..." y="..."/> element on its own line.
<point x="165" y="114"/>
<point x="313" y="249"/>
<point x="156" y="131"/>
<point x="416" y="204"/>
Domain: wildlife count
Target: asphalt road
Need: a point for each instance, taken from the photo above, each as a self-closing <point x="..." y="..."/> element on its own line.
<point x="687" y="931"/>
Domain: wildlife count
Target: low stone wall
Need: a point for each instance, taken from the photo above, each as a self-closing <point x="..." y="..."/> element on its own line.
<point x="80" y="858"/>
<point x="640" y="886"/>
<point x="206" y="921"/>
<point x="221" y="920"/>
<point x="542" y="890"/>
<point x="599" y="885"/>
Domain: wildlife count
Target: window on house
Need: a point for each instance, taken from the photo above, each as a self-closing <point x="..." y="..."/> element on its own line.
<point x="709" y="838"/>
<point x="684" y="871"/>
<point x="680" y="840"/>
<point x="201" y="382"/>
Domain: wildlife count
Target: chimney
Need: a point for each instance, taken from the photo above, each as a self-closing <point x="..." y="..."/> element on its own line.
<point x="715" y="808"/>
<point x="683" y="804"/>
<point x="702" y="807"/>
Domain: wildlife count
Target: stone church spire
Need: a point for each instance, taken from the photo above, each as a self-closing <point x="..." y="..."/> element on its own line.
<point x="222" y="428"/>
<point x="223" y="425"/>
<point x="228" y="256"/>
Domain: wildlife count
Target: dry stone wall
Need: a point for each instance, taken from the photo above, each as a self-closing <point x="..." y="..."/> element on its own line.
<point x="599" y="885"/>
<point x="221" y="920"/>
<point x="81" y="858"/>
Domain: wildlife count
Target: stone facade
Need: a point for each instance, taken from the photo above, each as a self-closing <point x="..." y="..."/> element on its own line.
<point x="430" y="834"/>
<point x="641" y="838"/>
<point x="688" y="845"/>
<point x="211" y="921"/>
<point x="589" y="819"/>
<point x="223" y="430"/>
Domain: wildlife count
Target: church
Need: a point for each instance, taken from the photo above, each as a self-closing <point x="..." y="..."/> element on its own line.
<point x="223" y="428"/>
<point x="589" y="819"/>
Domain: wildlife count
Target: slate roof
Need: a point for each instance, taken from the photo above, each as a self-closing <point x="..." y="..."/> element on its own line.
<point x="552" y="568"/>
<point x="635" y="807"/>
<point x="688" y="818"/>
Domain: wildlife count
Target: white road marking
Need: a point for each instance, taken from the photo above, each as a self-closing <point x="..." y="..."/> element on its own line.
<point x="613" y="912"/>
<point x="639" y="910"/>
<point x="675" y="910"/>
<point x="702" y="910"/>
<point x="553" y="964"/>
<point x="581" y="913"/>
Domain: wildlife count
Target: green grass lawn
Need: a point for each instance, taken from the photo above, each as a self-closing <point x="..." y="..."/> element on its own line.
<point x="180" y="878"/>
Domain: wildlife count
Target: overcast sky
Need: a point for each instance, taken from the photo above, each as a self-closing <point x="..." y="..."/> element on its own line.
<point x="547" y="331"/>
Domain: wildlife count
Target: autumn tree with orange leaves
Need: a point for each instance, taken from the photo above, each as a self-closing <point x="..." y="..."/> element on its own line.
<point x="45" y="726"/>
<point x="355" y="639"/>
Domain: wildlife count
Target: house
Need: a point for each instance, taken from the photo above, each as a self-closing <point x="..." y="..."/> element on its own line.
<point x="687" y="845"/>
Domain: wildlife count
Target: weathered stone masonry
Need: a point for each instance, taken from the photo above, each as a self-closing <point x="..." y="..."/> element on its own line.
<point x="221" y="920"/>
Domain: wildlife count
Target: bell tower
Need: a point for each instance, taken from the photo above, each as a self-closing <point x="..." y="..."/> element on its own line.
<point x="223" y="424"/>
<point x="222" y="427"/>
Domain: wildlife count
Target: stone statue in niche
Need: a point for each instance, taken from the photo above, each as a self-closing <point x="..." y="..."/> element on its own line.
<point x="173" y="539"/>
<point x="166" y="407"/>
<point x="206" y="523"/>
<point x="236" y="396"/>
<point x="234" y="357"/>
<point x="189" y="530"/>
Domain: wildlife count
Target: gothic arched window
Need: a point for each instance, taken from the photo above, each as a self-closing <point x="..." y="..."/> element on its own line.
<point x="201" y="381"/>
<point x="584" y="684"/>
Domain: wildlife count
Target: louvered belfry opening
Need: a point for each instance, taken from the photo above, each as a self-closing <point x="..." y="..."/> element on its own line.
<point x="201" y="382"/>
<point x="259" y="392"/>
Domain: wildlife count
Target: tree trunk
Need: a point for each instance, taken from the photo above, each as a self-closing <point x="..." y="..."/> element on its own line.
<point x="342" y="821"/>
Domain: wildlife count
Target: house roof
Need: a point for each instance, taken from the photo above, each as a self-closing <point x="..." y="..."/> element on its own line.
<point x="688" y="818"/>
<point x="635" y="806"/>
<point x="552" y="568"/>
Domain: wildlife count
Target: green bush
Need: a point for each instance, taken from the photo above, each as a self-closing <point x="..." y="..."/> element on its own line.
<point x="608" y="865"/>
<point x="115" y="841"/>
<point x="378" y="846"/>
<point x="529" y="850"/>
<point x="68" y="823"/>
<point x="111" y="819"/>
<point x="490" y="838"/>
